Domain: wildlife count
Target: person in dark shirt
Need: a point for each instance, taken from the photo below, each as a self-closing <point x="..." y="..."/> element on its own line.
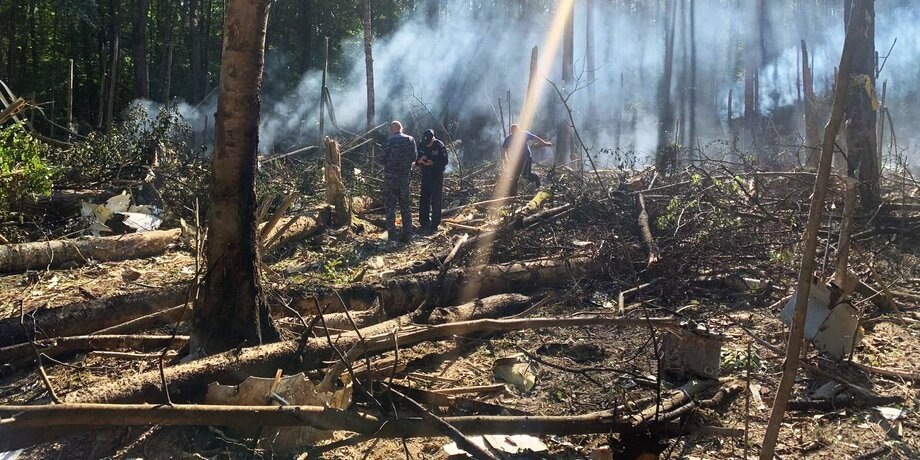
<point x="521" y="161"/>
<point x="432" y="159"/>
<point x="398" y="154"/>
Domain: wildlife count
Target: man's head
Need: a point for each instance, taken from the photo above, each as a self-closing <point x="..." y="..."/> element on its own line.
<point x="515" y="128"/>
<point x="395" y="127"/>
<point x="428" y="136"/>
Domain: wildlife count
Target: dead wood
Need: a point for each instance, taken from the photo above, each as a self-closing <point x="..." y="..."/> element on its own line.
<point x="843" y="402"/>
<point x="164" y="317"/>
<point x="518" y="222"/>
<point x="294" y="229"/>
<point x="400" y="295"/>
<point x="82" y="318"/>
<point x="134" y="312"/>
<point x="17" y="258"/>
<point x="188" y="380"/>
<point x="495" y="306"/>
<point x="478" y="452"/>
<point x="20" y="355"/>
<point x="27" y="425"/>
<point x="810" y="241"/>
<point x="653" y="254"/>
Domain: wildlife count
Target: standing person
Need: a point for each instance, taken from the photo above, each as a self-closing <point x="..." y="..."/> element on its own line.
<point x="432" y="159"/>
<point x="521" y="162"/>
<point x="398" y="155"/>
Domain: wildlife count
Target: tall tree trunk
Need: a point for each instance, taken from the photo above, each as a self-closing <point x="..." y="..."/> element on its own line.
<point x="692" y="115"/>
<point x="752" y="59"/>
<point x="233" y="309"/>
<point x="564" y="135"/>
<point x="194" y="41"/>
<point x="590" y="62"/>
<point x="369" y="67"/>
<point x="139" y="50"/>
<point x="664" y="153"/>
<point x="113" y="84"/>
<point x="861" y="124"/>
<point x="10" y="43"/>
<point x="306" y="35"/>
<point x="812" y="130"/>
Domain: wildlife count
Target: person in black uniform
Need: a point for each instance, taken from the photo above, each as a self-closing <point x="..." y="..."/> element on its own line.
<point x="432" y="159"/>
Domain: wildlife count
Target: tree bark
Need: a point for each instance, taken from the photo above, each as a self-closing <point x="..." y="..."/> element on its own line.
<point x="194" y="41"/>
<point x="336" y="195"/>
<point x="232" y="310"/>
<point x="22" y="355"/>
<point x="810" y="241"/>
<point x="861" y="116"/>
<point x="139" y="50"/>
<point x="564" y="137"/>
<point x="812" y="130"/>
<point x="113" y="83"/>
<point x="663" y="156"/>
<point x="36" y="424"/>
<point x="401" y="295"/>
<point x="306" y="34"/>
<point x="86" y="317"/>
<point x="369" y="68"/>
<point x="17" y="258"/>
<point x="189" y="380"/>
<point x="691" y="121"/>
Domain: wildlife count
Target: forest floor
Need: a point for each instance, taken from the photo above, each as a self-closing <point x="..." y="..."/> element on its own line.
<point x="727" y="256"/>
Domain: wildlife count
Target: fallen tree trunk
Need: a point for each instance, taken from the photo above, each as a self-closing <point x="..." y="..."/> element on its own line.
<point x="28" y="424"/>
<point x="401" y="295"/>
<point x="134" y="312"/>
<point x="18" y="356"/>
<point x="82" y="318"/>
<point x="187" y="381"/>
<point x="520" y="221"/>
<point x="17" y="258"/>
<point x="295" y="228"/>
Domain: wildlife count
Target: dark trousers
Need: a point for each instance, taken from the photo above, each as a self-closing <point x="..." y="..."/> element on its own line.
<point x="525" y="170"/>
<point x="396" y="194"/>
<point x="429" y="204"/>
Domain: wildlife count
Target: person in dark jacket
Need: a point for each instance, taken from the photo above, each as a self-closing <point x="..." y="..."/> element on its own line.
<point x="398" y="155"/>
<point x="521" y="161"/>
<point x="432" y="159"/>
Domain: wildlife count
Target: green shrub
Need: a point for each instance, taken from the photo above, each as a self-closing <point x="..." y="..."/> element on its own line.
<point x="24" y="175"/>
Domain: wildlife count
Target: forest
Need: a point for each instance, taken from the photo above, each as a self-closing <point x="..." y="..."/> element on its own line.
<point x="598" y="229"/>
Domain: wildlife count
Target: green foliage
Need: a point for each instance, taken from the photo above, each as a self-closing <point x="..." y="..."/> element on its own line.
<point x="150" y="152"/>
<point x="740" y="360"/>
<point x="24" y="174"/>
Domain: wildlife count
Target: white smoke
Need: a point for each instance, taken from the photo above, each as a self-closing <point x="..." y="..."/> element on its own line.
<point x="460" y="68"/>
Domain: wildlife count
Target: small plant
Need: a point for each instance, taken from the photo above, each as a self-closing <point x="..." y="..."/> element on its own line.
<point x="24" y="175"/>
<point x="740" y="360"/>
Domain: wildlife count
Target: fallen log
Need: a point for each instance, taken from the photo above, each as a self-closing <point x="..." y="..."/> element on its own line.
<point x="170" y="315"/>
<point x="289" y="230"/>
<point x="17" y="258"/>
<point x="129" y="313"/>
<point x="844" y="402"/>
<point x="82" y="318"/>
<point x="400" y="295"/>
<point x="519" y="221"/>
<point x="26" y="425"/>
<point x="187" y="381"/>
<point x="17" y="356"/>
<point x="495" y="306"/>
